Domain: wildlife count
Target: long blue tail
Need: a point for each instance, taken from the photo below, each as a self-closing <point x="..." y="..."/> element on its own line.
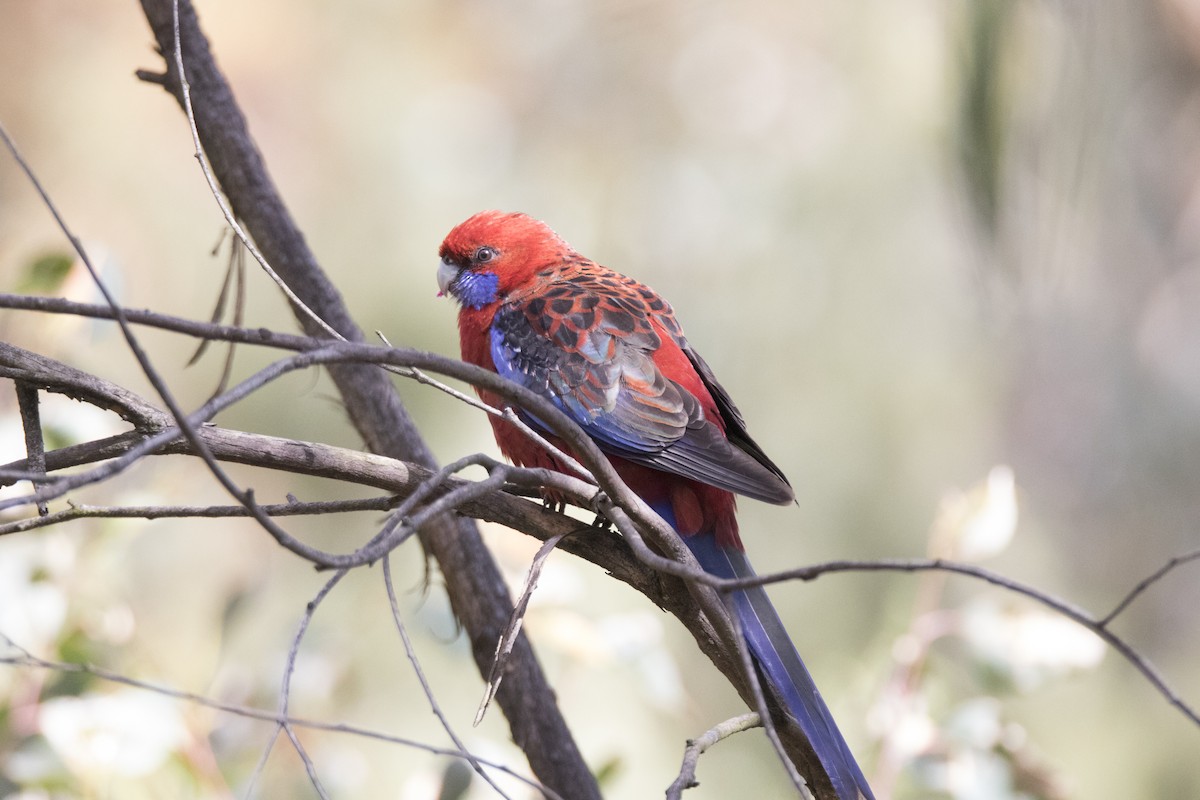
<point x="776" y="656"/>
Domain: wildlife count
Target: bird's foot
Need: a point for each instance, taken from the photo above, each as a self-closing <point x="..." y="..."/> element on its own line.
<point x="598" y="501"/>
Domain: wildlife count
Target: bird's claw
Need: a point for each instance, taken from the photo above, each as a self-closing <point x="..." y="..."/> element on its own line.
<point x="597" y="503"/>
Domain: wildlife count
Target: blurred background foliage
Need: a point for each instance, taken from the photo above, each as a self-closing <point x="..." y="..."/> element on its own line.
<point x="917" y="240"/>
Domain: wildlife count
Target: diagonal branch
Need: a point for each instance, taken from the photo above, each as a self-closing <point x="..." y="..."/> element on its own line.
<point x="476" y="588"/>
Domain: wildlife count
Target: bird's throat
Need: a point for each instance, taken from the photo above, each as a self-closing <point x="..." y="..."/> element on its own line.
<point x="476" y="289"/>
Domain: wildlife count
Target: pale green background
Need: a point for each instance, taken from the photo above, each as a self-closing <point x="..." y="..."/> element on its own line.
<point x="790" y="175"/>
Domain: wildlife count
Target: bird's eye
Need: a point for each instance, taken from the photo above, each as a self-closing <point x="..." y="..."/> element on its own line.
<point x="484" y="255"/>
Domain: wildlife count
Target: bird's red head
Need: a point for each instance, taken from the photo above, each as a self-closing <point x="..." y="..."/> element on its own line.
<point x="493" y="253"/>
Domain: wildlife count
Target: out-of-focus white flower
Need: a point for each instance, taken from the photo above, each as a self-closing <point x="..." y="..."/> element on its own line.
<point x="114" y="624"/>
<point x="980" y="522"/>
<point x="29" y="794"/>
<point x="976" y="723"/>
<point x="570" y="633"/>
<point x="903" y="720"/>
<point x="978" y="775"/>
<point x="128" y="733"/>
<point x="1032" y="645"/>
<point x="968" y="766"/>
<point x="638" y="639"/>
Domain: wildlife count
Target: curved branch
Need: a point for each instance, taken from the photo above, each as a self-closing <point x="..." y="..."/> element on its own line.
<point x="1098" y="626"/>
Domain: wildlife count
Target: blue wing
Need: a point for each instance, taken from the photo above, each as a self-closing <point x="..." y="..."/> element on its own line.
<point x="589" y="348"/>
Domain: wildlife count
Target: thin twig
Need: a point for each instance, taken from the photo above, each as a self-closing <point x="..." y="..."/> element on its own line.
<point x="294" y="509"/>
<point x="700" y="745"/>
<point x="507" y="414"/>
<point x="285" y="690"/>
<point x="401" y="524"/>
<point x="235" y="273"/>
<point x="230" y="219"/>
<point x="1147" y="582"/>
<point x="434" y="706"/>
<point x="513" y="629"/>
<point x="155" y="319"/>
<point x="23" y="658"/>
<point x="1068" y="610"/>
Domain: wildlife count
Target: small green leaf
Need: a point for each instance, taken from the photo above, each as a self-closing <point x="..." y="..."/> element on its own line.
<point x="46" y="274"/>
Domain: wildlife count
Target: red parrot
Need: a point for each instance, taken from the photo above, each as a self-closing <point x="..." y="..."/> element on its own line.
<point x="607" y="351"/>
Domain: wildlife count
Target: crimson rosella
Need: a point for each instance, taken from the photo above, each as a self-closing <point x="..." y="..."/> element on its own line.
<point x="607" y="351"/>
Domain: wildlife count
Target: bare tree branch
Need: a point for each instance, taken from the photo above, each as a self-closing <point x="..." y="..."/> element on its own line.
<point x="705" y="634"/>
<point x="361" y="467"/>
<point x="476" y="588"/>
<point x="285" y="689"/>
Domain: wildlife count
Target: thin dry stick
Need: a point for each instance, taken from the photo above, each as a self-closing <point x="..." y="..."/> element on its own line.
<point x="509" y="637"/>
<point x="309" y="767"/>
<point x="1147" y="582"/>
<point x="760" y="700"/>
<point x="399" y="526"/>
<point x="285" y="694"/>
<point x="291" y="509"/>
<point x="235" y="278"/>
<point x="155" y="319"/>
<point x="186" y="90"/>
<point x="700" y="745"/>
<point x="434" y="706"/>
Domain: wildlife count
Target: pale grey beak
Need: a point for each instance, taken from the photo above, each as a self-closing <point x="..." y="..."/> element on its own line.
<point x="446" y="274"/>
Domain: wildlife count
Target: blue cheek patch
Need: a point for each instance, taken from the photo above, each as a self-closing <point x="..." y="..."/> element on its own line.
<point x="477" y="289"/>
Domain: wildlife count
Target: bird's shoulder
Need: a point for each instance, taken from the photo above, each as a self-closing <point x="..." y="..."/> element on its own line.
<point x="585" y="296"/>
